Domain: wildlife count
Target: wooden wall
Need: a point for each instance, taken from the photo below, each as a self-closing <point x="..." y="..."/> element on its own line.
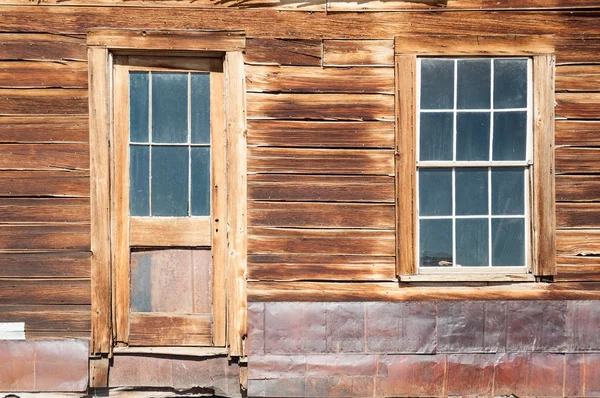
<point x="320" y="135"/>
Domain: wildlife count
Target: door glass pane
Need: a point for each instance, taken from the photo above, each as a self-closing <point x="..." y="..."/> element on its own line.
<point x="201" y="181"/>
<point x="472" y="191"/>
<point x="435" y="192"/>
<point x="508" y="242"/>
<point x="169" y="107"/>
<point x="170" y="181"/>
<point x="435" y="243"/>
<point x="436" y="136"/>
<point x="473" y="136"/>
<point x="510" y="135"/>
<point x="508" y="191"/>
<point x="472" y="242"/>
<point x="138" y="106"/>
<point x="473" y="84"/>
<point x="510" y="83"/>
<point x="437" y="84"/>
<point x="200" y="108"/>
<point x="139" y="180"/>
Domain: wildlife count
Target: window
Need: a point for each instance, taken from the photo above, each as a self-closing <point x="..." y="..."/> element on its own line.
<point x="475" y="151"/>
<point x="168" y="190"/>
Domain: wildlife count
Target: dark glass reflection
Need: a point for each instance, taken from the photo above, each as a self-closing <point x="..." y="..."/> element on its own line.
<point x="169" y="107"/>
<point x="510" y="83"/>
<point x="436" y="136"/>
<point x="508" y="242"/>
<point x="435" y="192"/>
<point x="435" y="243"/>
<point x="473" y="136"/>
<point x="473" y="84"/>
<point x="472" y="242"/>
<point x="139" y="180"/>
<point x="138" y="106"/>
<point x="471" y="191"/>
<point x="170" y="181"/>
<point x="201" y="181"/>
<point x="437" y="84"/>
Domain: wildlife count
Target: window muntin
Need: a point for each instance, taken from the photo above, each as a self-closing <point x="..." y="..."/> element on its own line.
<point x="169" y="144"/>
<point x="474" y="156"/>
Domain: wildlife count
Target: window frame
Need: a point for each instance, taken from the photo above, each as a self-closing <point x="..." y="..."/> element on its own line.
<point x="540" y="50"/>
<point x="110" y="276"/>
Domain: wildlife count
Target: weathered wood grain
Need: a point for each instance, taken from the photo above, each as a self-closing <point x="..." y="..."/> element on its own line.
<point x="44" y="156"/>
<point x="292" y="133"/>
<point x="162" y="329"/>
<point x="42" y="46"/>
<point x="320" y="161"/>
<point x="273" y="51"/>
<point x="577" y="160"/>
<point x="44" y="237"/>
<point x="49" y="318"/>
<point x="321" y="106"/>
<point x="301" y="79"/>
<point x="577" y="133"/>
<point x="441" y="5"/>
<point x="25" y="74"/>
<point x="320" y="267"/>
<point x="318" y="241"/>
<point x="578" y="188"/>
<point x="73" y="128"/>
<point x="581" y="242"/>
<point x="578" y="49"/>
<point x="299" y="5"/>
<point x="45" y="265"/>
<point x="321" y="215"/>
<point x="390" y="291"/>
<point x="45" y="183"/>
<point x="45" y="210"/>
<point x="45" y="291"/>
<point x="578" y="105"/>
<point x="578" y="78"/>
<point x="171" y="231"/>
<point x="321" y="188"/>
<point x="577" y="268"/>
<point x="578" y="215"/>
<point x="358" y="53"/>
<point x="43" y="101"/>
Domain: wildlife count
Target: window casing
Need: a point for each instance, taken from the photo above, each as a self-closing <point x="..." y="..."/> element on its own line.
<point x="436" y="188"/>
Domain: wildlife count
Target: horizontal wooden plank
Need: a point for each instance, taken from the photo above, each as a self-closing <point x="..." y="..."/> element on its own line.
<point x="578" y="215"/>
<point x="580" y="49"/>
<point x="169" y="231"/>
<point x="320" y="267"/>
<point x="45" y="183"/>
<point x="578" y="78"/>
<point x="315" y="134"/>
<point x="301" y="79"/>
<point x="441" y="5"/>
<point x="45" y="237"/>
<point x="578" y="188"/>
<point x="43" y="101"/>
<point x="73" y="128"/>
<point x="41" y="46"/>
<point x="321" y="161"/>
<point x="577" y="132"/>
<point x="45" y="265"/>
<point x="390" y="291"/>
<point x="163" y="329"/>
<point x="315" y="241"/>
<point x="300" y="5"/>
<point x="290" y="187"/>
<point x="45" y="291"/>
<point x="577" y="268"/>
<point x="171" y="40"/>
<point x="578" y="105"/>
<point x="577" y="160"/>
<point x="320" y="106"/>
<point x="49" y="318"/>
<point x="321" y="215"/>
<point x="269" y="51"/>
<point x="45" y="210"/>
<point x="23" y="74"/>
<point x="358" y="53"/>
<point x="44" y="156"/>
<point x="580" y="242"/>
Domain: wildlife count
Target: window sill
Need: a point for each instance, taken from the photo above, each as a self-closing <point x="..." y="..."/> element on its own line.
<point x="465" y="277"/>
<point x="179" y="351"/>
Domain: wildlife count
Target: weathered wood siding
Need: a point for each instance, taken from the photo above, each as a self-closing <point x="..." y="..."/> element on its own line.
<point x="320" y="110"/>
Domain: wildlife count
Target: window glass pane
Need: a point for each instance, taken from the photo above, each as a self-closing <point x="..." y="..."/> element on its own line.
<point x="508" y="242"/>
<point x="138" y="106"/>
<point x="169" y="107"/>
<point x="437" y="84"/>
<point x="200" y="105"/>
<point x="473" y="136"/>
<point x="472" y="242"/>
<point x="510" y="83"/>
<point x="435" y="192"/>
<point x="510" y="135"/>
<point x="200" y="181"/>
<point x="471" y="191"/>
<point x="436" y="136"/>
<point x="170" y="181"/>
<point x="139" y="180"/>
<point x="473" y="84"/>
<point x="435" y="243"/>
<point x="508" y="191"/>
